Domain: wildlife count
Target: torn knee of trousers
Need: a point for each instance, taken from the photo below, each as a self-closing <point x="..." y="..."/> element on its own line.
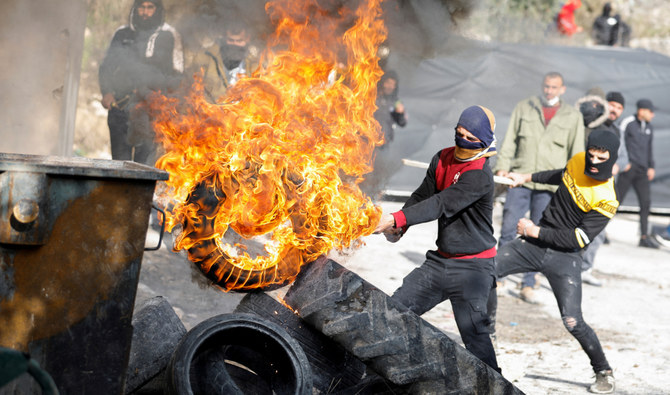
<point x="570" y="323"/>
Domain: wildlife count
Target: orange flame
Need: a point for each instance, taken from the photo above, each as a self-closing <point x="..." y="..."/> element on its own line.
<point x="279" y="163"/>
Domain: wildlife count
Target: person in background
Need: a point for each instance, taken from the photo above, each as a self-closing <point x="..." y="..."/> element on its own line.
<point x="390" y="114"/>
<point x="390" y="110"/>
<point x="144" y="56"/>
<point x="580" y="209"/>
<point x="609" y="29"/>
<point x="565" y="21"/>
<point x="594" y="109"/>
<point x="638" y="135"/>
<point x="226" y="61"/>
<point x="457" y="193"/>
<point x="543" y="133"/>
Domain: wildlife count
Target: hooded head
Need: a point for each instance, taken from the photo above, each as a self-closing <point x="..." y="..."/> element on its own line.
<point x="386" y="87"/>
<point x="235" y="43"/>
<point x="138" y="18"/>
<point x="601" y="141"/>
<point x="480" y="123"/>
<point x="594" y="108"/>
<point x="607" y="9"/>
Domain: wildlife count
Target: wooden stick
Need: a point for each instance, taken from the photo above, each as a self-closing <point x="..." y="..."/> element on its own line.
<point x="424" y="165"/>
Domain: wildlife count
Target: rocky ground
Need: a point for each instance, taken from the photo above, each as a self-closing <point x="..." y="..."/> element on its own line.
<point x="629" y="313"/>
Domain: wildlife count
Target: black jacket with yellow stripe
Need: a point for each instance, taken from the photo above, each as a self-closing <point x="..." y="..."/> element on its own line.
<point x="580" y="208"/>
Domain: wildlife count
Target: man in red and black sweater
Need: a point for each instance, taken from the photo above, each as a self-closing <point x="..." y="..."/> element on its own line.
<point x="457" y="192"/>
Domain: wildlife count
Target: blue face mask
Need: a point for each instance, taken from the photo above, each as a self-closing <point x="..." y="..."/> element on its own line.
<point x="463" y="143"/>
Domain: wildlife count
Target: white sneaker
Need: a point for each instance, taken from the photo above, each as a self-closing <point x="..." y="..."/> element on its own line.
<point x="604" y="383"/>
<point x="588" y="278"/>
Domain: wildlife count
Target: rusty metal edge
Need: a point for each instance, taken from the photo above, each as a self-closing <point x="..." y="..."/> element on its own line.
<point x="78" y="166"/>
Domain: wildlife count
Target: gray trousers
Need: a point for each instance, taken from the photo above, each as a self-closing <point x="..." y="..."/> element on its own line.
<point x="591" y="250"/>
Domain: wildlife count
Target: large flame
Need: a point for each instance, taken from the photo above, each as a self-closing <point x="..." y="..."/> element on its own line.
<point x="279" y="163"/>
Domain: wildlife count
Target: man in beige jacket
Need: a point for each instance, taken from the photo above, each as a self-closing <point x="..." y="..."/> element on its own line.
<point x="543" y="134"/>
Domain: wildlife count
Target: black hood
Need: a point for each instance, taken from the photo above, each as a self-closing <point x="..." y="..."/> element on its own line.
<point x="152" y="23"/>
<point x="389" y="74"/>
<point x="607" y="9"/>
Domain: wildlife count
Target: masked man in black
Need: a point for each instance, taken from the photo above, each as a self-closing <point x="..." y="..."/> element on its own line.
<point x="144" y="56"/>
<point x="582" y="206"/>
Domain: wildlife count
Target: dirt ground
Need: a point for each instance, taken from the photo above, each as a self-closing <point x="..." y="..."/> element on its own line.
<point x="536" y="353"/>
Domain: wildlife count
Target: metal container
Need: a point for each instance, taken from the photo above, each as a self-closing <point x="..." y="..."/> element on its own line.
<point x="72" y="234"/>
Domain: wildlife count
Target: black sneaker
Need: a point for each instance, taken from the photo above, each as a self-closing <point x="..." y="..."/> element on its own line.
<point x="647" y="243"/>
<point x="604" y="383"/>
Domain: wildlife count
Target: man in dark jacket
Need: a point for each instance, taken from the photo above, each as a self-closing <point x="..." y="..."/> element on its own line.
<point x="390" y="113"/>
<point x="609" y="29"/>
<point x="144" y="56"/>
<point x="390" y="110"/>
<point x="580" y="209"/>
<point x="638" y="135"/>
<point x="457" y="192"/>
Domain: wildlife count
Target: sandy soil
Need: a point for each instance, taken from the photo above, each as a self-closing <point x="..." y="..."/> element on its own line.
<point x="629" y="313"/>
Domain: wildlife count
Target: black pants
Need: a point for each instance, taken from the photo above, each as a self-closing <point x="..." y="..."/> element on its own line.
<point x="563" y="270"/>
<point x="637" y="177"/>
<point x="117" y="120"/>
<point x="119" y="124"/>
<point x="467" y="283"/>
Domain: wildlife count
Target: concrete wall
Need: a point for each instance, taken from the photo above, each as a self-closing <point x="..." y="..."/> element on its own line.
<point x="41" y="44"/>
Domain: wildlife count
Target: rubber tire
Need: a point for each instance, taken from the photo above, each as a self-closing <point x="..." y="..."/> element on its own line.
<point x="199" y="363"/>
<point x="393" y="341"/>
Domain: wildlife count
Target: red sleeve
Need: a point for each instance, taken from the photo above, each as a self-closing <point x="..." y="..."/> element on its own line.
<point x="400" y="220"/>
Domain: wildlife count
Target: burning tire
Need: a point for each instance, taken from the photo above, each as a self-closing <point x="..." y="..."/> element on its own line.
<point x="238" y="354"/>
<point x="215" y="263"/>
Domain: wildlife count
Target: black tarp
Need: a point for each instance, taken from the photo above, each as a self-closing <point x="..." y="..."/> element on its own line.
<point x="498" y="76"/>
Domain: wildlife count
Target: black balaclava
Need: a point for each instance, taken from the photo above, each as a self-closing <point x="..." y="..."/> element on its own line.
<point x="152" y="23"/>
<point x="232" y="55"/>
<point x="602" y="139"/>
<point x="607" y="9"/>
